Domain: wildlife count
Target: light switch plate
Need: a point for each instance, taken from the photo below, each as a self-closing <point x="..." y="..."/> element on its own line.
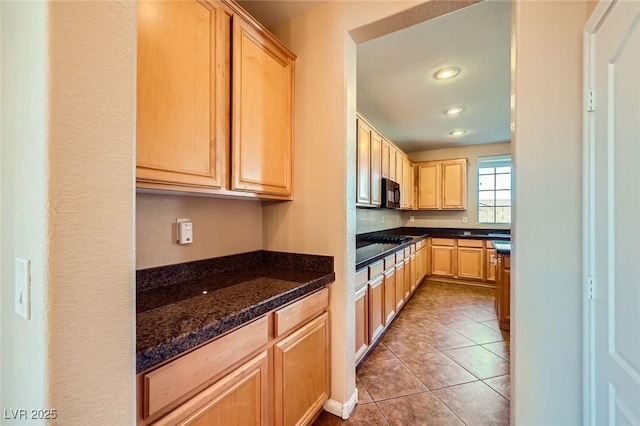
<point x="22" y="302"/>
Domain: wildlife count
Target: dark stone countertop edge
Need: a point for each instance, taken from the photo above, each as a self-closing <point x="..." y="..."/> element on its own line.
<point x="386" y="253"/>
<point x="151" y="357"/>
<point x="502" y="247"/>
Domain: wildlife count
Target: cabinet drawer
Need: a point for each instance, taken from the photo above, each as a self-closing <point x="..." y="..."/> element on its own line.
<point x="389" y="261"/>
<point x="362" y="276"/>
<point x="470" y="243"/>
<point x="419" y="245"/>
<point x="443" y="242"/>
<point x="291" y="316"/>
<point x="407" y="252"/>
<point x="169" y="383"/>
<point x="506" y="261"/>
<point x="376" y="269"/>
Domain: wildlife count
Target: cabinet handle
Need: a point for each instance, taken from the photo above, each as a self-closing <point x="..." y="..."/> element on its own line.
<point x="493" y="260"/>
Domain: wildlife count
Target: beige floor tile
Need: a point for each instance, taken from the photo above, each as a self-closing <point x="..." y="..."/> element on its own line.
<point x="389" y="378"/>
<point x="363" y="393"/>
<point x="363" y="415"/>
<point x="501" y="384"/>
<point x="502" y="349"/>
<point x="479" y="361"/>
<point x="479" y="333"/>
<point x="436" y="370"/>
<point x="476" y="404"/>
<point x="422" y="409"/>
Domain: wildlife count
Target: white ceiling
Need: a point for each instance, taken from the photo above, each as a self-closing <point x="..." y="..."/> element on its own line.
<point x="399" y="96"/>
<point x="396" y="89"/>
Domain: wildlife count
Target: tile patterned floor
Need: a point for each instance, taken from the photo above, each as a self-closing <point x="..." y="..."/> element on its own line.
<point x="444" y="361"/>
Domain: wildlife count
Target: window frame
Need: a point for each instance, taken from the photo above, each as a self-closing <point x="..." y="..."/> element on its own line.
<point x="494" y="162"/>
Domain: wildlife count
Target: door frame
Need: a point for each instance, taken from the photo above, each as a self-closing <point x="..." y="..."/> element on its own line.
<point x="588" y="211"/>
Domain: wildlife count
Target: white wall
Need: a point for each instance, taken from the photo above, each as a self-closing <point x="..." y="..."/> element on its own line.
<point x="68" y="103"/>
<point x="546" y="298"/>
<point x="221" y="227"/>
<point x="453" y="219"/>
<point x="25" y="202"/>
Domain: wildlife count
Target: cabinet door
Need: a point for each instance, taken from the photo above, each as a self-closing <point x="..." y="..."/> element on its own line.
<point x="240" y="398"/>
<point x="399" y="178"/>
<point x="386" y="154"/>
<point x="414" y="273"/>
<point x="376" y="308"/>
<point x="470" y="263"/>
<point x="406" y="188"/>
<point x="400" y="272"/>
<point x="363" y="166"/>
<point x="429" y="186"/>
<point x="376" y="168"/>
<point x="454" y="184"/>
<point x="408" y="277"/>
<point x="262" y="117"/>
<point x="442" y="261"/>
<point x="392" y="163"/>
<point x="301" y="373"/>
<point x="182" y="93"/>
<point x="491" y="261"/>
<point x="389" y="295"/>
<point x="503" y="292"/>
<point x="362" y="322"/>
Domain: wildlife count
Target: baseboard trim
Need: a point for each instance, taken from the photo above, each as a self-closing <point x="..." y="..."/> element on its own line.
<point x="486" y="284"/>
<point x="342" y="410"/>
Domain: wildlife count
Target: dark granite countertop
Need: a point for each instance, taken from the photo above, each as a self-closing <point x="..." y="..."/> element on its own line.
<point x="502" y="247"/>
<point x="367" y="253"/>
<point x="182" y="306"/>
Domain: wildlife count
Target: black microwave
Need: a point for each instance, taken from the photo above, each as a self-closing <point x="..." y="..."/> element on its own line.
<point x="390" y="194"/>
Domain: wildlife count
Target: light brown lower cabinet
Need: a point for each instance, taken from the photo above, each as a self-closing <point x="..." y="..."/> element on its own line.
<point x="408" y="277"/>
<point x="491" y="261"/>
<point x="442" y="260"/>
<point x="362" y="322"/>
<point x="301" y="373"/>
<point x="240" y="398"/>
<point x="272" y="371"/>
<point x="389" y="294"/>
<point x="400" y="271"/>
<point x="470" y="263"/>
<point x="414" y="273"/>
<point x="376" y="307"/>
<point x="503" y="291"/>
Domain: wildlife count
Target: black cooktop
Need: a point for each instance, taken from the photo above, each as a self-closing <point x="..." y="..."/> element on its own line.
<point x="387" y="239"/>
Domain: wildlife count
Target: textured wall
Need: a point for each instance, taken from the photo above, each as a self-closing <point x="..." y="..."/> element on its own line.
<point x="220" y="227"/>
<point x="369" y="220"/>
<point x="547" y="255"/>
<point x="453" y="219"/>
<point x="25" y="203"/>
<point x="92" y="299"/>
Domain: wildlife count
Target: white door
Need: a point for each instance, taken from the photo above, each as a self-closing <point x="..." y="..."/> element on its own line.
<point x="612" y="219"/>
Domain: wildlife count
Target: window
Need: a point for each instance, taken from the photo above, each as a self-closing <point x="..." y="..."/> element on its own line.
<point x="494" y="189"/>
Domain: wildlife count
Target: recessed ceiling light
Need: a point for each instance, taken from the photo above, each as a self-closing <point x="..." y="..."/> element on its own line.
<point x="447" y="73"/>
<point x="458" y="132"/>
<point x="454" y="110"/>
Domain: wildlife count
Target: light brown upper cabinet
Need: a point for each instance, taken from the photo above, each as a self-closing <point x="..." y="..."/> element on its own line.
<point x="442" y="185"/>
<point x="393" y="152"/>
<point x="262" y="112"/>
<point x="181" y="133"/>
<point x="363" y="165"/>
<point x="454" y="184"/>
<point x="386" y="155"/>
<point x="185" y="133"/>
<point x="376" y="168"/>
<point x="429" y="185"/>
<point x="406" y="186"/>
<point x="369" y="165"/>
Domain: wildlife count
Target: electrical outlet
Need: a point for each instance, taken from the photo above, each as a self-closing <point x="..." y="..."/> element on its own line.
<point x="464" y="219"/>
<point x="184" y="231"/>
<point x="382" y="219"/>
<point x="412" y="219"/>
